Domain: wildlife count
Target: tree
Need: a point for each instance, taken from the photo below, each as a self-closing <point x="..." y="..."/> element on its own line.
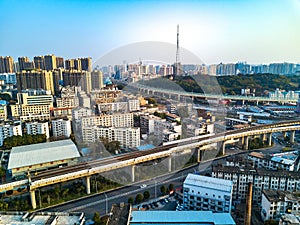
<point x="163" y="190"/>
<point x="97" y="219"/>
<point x="146" y="195"/>
<point x="139" y="198"/>
<point x="130" y="200"/>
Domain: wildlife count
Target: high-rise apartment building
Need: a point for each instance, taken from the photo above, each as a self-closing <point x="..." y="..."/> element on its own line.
<point x="77" y="64"/>
<point x="60" y="62"/>
<point x="69" y="64"/>
<point x="97" y="79"/>
<point x="33" y="79"/>
<point x="78" y="78"/>
<point x="22" y="62"/>
<point x="86" y="64"/>
<point x="39" y="62"/>
<point x="50" y="62"/>
<point x="7" y="64"/>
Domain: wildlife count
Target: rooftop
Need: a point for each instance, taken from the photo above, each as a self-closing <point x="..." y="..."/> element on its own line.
<point x="42" y="153"/>
<point x="23" y="218"/>
<point x="259" y="172"/>
<point x="180" y="217"/>
<point x="281" y="196"/>
<point x="208" y="182"/>
<point x="119" y="214"/>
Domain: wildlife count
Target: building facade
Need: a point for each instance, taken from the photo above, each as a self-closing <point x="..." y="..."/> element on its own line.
<point x="129" y="137"/>
<point x="260" y="178"/>
<point x="276" y="203"/>
<point x="61" y="128"/>
<point x="34" y="128"/>
<point x="204" y="193"/>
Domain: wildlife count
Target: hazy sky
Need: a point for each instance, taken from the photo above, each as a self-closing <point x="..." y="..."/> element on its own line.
<point x="256" y="31"/>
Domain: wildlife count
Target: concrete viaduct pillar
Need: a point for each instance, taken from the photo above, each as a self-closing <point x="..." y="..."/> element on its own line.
<point x="270" y="139"/>
<point x="200" y="154"/>
<point x="284" y="134"/>
<point x="170" y="164"/>
<point x="292" y="136"/>
<point x="32" y="199"/>
<point x="88" y="185"/>
<point x="241" y="142"/>
<point x="263" y="137"/>
<point x="223" y="147"/>
<point x="246" y="143"/>
<point x="132" y="173"/>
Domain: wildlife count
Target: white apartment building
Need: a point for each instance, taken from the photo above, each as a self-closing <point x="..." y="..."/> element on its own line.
<point x="64" y="105"/>
<point x="166" y="131"/>
<point x="279" y="94"/>
<point x="128" y="106"/>
<point x="147" y="123"/>
<point x="275" y="203"/>
<point x="114" y="120"/>
<point x="34" y="128"/>
<point x="204" y="193"/>
<point x="77" y="114"/>
<point x="127" y="136"/>
<point x="260" y="178"/>
<point x="9" y="130"/>
<point x="285" y="161"/>
<point x="61" y="128"/>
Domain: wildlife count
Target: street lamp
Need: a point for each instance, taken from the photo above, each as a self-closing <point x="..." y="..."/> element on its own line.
<point x="106" y="203"/>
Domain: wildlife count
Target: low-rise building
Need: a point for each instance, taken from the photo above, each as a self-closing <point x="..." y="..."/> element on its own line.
<point x="9" y="129"/>
<point x="207" y="194"/>
<point x="275" y="203"/>
<point x="260" y="178"/>
<point x="289" y="219"/>
<point x="284" y="161"/>
<point x="42" y="218"/>
<point x="147" y="123"/>
<point x="180" y="217"/>
<point x="38" y="157"/>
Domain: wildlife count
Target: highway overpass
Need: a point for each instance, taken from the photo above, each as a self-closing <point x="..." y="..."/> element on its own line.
<point x="178" y="94"/>
<point x="86" y="170"/>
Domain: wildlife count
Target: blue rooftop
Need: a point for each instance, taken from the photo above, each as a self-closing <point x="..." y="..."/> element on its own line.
<point x="180" y="217"/>
<point x="145" y="147"/>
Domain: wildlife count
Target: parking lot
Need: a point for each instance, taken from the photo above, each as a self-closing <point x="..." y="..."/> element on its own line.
<point x="164" y="203"/>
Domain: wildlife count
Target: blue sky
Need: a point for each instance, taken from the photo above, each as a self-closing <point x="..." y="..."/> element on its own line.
<point x="256" y="31"/>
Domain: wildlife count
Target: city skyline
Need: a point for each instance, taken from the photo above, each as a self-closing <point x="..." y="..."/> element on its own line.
<point x="259" y="32"/>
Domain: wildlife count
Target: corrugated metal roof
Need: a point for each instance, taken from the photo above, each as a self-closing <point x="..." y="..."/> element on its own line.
<point x="208" y="182"/>
<point x="182" y="217"/>
<point x="42" y="153"/>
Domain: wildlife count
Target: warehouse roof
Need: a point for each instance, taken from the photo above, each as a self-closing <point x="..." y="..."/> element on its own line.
<point x="42" y="153"/>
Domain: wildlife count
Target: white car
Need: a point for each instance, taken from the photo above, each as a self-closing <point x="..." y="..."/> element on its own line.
<point x="143" y="186"/>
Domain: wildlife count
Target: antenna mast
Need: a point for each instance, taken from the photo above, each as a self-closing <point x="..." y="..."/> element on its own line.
<point x="177" y="63"/>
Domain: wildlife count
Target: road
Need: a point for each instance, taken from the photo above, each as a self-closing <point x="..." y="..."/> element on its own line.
<point x="102" y="202"/>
